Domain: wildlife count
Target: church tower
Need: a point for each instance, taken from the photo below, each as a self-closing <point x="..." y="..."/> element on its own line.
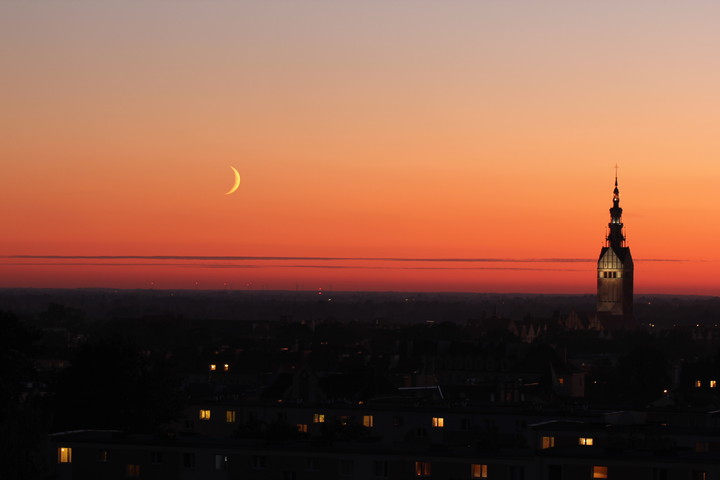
<point x="615" y="268"/>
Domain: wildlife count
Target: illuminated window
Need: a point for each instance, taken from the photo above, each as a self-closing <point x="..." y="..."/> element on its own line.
<point x="204" y="414"/>
<point x="478" y="471"/>
<point x="699" y="475"/>
<point x="548" y="442"/>
<point x="345" y="420"/>
<point x="423" y="469"/>
<point x="230" y="416"/>
<point x="698" y="384"/>
<point x="64" y="455"/>
<point x="588" y="441"/>
<point x="600" y="472"/>
<point x="438" y="422"/>
<point x="103" y="456"/>
<point x="713" y="383"/>
<point x="221" y="462"/>
<point x="226" y="367"/>
<point x="367" y="420"/>
<point x="132" y="471"/>
<point x="302" y="427"/>
<point x="561" y="381"/>
<point x="319" y="418"/>
<point x="213" y="367"/>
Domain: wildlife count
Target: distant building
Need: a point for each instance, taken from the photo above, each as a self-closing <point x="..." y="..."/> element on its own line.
<point x="615" y="271"/>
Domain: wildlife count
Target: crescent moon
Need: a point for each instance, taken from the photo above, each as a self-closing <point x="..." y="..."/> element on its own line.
<point x="237" y="181"/>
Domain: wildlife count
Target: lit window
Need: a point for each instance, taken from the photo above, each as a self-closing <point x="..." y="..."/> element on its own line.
<point x="548" y="442"/>
<point x="698" y="384"/>
<point x="345" y="420"/>
<point x="213" y="367"/>
<point x="103" y="456"/>
<point x="64" y="455"/>
<point x="699" y="475"/>
<point x="478" y="470"/>
<point x="588" y="441"/>
<point x="713" y="383"/>
<point x="302" y="427"/>
<point x="561" y="381"/>
<point x="367" y="420"/>
<point x="600" y="472"/>
<point x="319" y="418"/>
<point x="230" y="416"/>
<point x="423" y="469"/>
<point x="204" y="414"/>
<point x="132" y="471"/>
<point x="226" y="367"/>
<point x="221" y="462"/>
<point x="438" y="422"/>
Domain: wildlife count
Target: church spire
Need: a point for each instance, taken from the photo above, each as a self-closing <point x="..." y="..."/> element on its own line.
<point x="616" y="238"/>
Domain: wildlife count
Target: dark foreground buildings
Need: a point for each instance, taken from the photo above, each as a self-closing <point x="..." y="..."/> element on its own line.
<point x="463" y="410"/>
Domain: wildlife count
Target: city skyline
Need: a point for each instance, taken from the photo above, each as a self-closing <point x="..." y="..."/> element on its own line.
<point x="409" y="146"/>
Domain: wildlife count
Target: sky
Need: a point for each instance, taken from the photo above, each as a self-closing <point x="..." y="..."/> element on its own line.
<point x="382" y="145"/>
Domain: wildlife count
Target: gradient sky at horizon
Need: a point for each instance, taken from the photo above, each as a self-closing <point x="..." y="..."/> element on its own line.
<point x="369" y="130"/>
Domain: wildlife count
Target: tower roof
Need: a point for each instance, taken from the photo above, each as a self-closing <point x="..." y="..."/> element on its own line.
<point x="615" y="238"/>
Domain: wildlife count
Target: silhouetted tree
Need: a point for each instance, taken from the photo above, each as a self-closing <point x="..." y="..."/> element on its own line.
<point x="21" y="413"/>
<point x="112" y="384"/>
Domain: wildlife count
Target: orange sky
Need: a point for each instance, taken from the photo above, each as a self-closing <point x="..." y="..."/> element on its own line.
<point x="425" y="130"/>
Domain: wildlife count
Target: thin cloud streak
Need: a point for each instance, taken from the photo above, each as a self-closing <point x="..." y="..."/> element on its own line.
<point x="320" y="259"/>
<point x="251" y="266"/>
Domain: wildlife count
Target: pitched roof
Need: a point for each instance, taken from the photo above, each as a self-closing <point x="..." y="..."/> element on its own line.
<point x="622" y="253"/>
